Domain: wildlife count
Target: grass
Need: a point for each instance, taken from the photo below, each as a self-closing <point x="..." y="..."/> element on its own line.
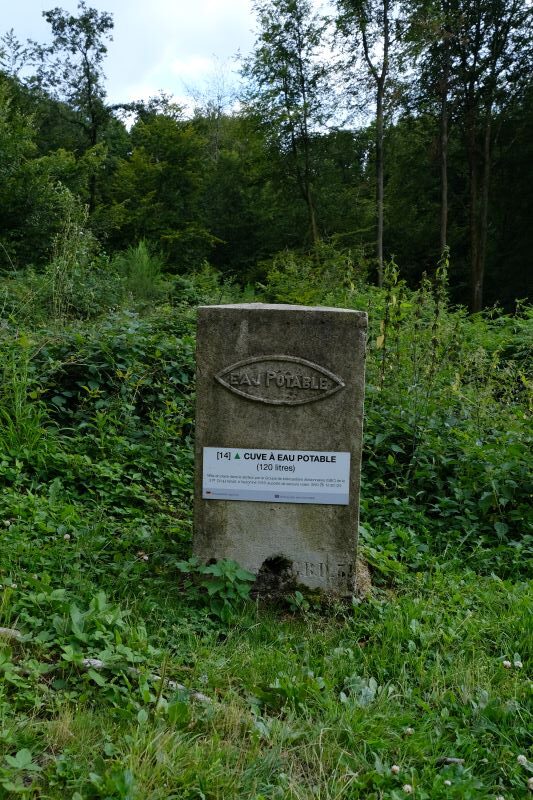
<point x="116" y="634"/>
<point x="319" y="705"/>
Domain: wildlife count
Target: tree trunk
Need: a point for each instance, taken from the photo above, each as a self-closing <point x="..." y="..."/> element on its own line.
<point x="309" y="199"/>
<point x="477" y="300"/>
<point x="444" y="147"/>
<point x="312" y="216"/>
<point x="379" y="180"/>
<point x="93" y="126"/>
<point x="444" y="179"/>
<point x="303" y="180"/>
<point x="476" y="287"/>
<point x="92" y="193"/>
<point x="380" y="77"/>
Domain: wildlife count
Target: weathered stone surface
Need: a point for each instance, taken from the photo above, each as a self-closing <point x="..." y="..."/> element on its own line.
<point x="287" y="378"/>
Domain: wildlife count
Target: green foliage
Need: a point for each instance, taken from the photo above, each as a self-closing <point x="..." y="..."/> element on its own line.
<point x="294" y="691"/>
<point x="69" y="273"/>
<point x="156" y="191"/>
<point x="75" y="292"/>
<point x="297" y="602"/>
<point x="447" y="436"/>
<point x="130" y="670"/>
<point x="141" y="271"/>
<point x="288" y="90"/>
<point x="456" y="439"/>
<point x="239" y="186"/>
<point x="325" y="276"/>
<point x="77" y="647"/>
<point x="24" y="425"/>
<point x="32" y="192"/>
<point x="116" y="783"/>
<point x="18" y="772"/>
<point x="70" y="69"/>
<point x="205" y="285"/>
<point x="225" y="583"/>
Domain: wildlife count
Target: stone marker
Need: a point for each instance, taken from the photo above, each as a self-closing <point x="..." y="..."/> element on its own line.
<point x="278" y="439"/>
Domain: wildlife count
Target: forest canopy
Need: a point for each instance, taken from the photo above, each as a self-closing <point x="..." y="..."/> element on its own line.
<point x="390" y="130"/>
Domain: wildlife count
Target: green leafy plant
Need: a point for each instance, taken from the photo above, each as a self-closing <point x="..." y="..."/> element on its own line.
<point x="298" y="602"/>
<point x="141" y="271"/>
<point x="19" y="772"/>
<point x="115" y="784"/>
<point x="226" y="585"/>
<point x="297" y="691"/>
<point x="25" y="425"/>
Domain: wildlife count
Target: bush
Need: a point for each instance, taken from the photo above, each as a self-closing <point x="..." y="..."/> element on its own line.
<point x="447" y="438"/>
<point x="141" y="272"/>
<point x="106" y="407"/>
<point x="77" y="283"/>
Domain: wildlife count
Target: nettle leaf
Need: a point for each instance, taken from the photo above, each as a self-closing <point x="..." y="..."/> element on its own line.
<point x="187" y="566"/>
<point x="71" y="655"/>
<point x="212" y="569"/>
<point x="77" y="618"/>
<point x="244" y="575"/>
<point x="96" y="677"/>
<point x="214" y="586"/>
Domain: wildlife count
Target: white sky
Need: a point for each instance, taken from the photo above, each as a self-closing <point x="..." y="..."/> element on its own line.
<point x="158" y="45"/>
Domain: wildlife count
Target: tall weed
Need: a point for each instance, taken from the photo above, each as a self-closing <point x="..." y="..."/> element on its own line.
<point x="325" y="276"/>
<point x="73" y="259"/>
<point x="141" y="271"/>
<point x="24" y="421"/>
<point x="77" y="283"/>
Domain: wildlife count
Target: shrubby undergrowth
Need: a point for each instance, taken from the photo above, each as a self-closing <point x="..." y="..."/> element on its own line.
<point x="96" y="430"/>
<point x="446" y="463"/>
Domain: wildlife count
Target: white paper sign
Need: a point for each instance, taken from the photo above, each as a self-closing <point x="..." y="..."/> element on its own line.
<point x="276" y="476"/>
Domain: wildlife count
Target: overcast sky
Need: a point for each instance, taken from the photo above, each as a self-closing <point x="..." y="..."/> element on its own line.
<point x="168" y="45"/>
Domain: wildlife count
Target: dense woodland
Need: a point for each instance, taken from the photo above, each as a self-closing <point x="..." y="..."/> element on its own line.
<point x="388" y="130"/>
